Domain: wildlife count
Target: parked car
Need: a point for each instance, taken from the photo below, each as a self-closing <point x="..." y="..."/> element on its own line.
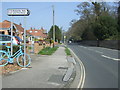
<point x="4" y="39"/>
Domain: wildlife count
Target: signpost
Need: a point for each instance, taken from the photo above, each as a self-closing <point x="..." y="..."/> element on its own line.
<point x="18" y="12"/>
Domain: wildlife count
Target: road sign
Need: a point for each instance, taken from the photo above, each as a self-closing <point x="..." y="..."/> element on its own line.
<point x="18" y="12"/>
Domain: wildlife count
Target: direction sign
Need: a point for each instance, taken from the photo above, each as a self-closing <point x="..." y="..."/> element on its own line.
<point x="18" y="12"/>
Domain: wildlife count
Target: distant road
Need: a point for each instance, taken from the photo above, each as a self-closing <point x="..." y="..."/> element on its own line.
<point x="101" y="66"/>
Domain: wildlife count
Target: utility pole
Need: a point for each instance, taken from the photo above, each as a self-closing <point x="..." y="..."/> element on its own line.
<point x="53" y="24"/>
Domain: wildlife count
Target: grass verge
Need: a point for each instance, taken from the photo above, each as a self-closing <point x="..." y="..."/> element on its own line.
<point x="48" y="51"/>
<point x="67" y="51"/>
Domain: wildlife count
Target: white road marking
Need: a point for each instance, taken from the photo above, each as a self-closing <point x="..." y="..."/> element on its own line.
<point x="116" y="59"/>
<point x="109" y="49"/>
<point x="92" y="49"/>
<point x="53" y="83"/>
<point x="98" y="52"/>
<point x="83" y="46"/>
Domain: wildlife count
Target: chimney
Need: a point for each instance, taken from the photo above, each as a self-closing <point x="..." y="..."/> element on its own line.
<point x="31" y="28"/>
<point x="20" y="24"/>
<point x="41" y="28"/>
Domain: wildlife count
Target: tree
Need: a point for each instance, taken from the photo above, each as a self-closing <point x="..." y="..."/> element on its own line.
<point x="58" y="33"/>
<point x="83" y="9"/>
<point x="97" y="8"/>
<point x="97" y="21"/>
<point x="119" y="17"/>
<point x="105" y="27"/>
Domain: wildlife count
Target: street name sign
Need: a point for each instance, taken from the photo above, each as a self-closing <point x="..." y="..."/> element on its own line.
<point x="18" y="12"/>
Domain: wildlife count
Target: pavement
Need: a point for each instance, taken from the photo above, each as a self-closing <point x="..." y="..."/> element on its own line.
<point x="44" y="72"/>
<point x="101" y="66"/>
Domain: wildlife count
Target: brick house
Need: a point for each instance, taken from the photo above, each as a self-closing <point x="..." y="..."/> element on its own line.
<point x="38" y="33"/>
<point x="5" y="28"/>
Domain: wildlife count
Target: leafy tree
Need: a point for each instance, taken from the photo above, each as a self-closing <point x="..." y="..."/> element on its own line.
<point x="83" y="9"/>
<point x="119" y="17"/>
<point x="97" y="8"/>
<point x="105" y="27"/>
<point x="97" y="21"/>
<point x="58" y="33"/>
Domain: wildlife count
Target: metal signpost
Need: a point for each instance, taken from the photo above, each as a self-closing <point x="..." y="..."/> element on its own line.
<point x="18" y="12"/>
<point x="11" y="37"/>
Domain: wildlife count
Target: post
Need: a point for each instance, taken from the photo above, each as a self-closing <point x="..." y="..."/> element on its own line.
<point x="53" y="25"/>
<point x="24" y="41"/>
<point x="11" y="36"/>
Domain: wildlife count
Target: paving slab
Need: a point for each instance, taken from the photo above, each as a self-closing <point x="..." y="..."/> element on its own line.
<point x="45" y="72"/>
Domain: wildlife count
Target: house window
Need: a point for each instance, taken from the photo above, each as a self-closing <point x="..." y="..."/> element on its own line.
<point x="2" y="32"/>
<point x="36" y="31"/>
<point x="30" y="31"/>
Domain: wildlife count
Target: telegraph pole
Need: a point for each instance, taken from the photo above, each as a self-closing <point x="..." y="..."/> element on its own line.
<point x="53" y="24"/>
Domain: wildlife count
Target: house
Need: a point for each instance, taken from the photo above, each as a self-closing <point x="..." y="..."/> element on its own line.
<point x="5" y="28"/>
<point x="38" y="33"/>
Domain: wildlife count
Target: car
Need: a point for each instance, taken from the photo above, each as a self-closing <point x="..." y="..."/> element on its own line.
<point x="4" y="39"/>
<point x="18" y="39"/>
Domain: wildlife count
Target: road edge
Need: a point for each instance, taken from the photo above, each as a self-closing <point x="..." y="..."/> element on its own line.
<point x="82" y="77"/>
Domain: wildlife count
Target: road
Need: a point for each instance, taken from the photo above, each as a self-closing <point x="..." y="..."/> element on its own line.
<point x="101" y="66"/>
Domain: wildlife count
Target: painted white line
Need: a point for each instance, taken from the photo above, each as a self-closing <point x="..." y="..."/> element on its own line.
<point x="90" y="49"/>
<point x="109" y="49"/>
<point x="83" y="46"/>
<point x="98" y="52"/>
<point x="52" y="83"/>
<point x="95" y="50"/>
<point x="110" y="58"/>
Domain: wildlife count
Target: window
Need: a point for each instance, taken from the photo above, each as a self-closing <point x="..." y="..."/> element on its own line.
<point x="2" y="32"/>
<point x="30" y="31"/>
<point x="36" y="31"/>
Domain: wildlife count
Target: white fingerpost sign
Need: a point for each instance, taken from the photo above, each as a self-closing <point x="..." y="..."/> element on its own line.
<point x="18" y="12"/>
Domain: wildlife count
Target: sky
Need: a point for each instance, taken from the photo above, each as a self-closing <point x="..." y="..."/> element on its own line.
<point x="41" y="14"/>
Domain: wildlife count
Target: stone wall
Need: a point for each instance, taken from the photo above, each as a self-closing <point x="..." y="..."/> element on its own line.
<point x="37" y="48"/>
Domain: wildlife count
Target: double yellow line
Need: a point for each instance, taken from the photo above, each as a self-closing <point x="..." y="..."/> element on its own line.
<point x="82" y="69"/>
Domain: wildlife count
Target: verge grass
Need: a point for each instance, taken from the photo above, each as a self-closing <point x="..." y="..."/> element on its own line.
<point x="48" y="51"/>
<point x="67" y="51"/>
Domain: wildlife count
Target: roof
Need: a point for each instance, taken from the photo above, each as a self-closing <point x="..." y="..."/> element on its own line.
<point x="19" y="27"/>
<point x="37" y="33"/>
<point x="7" y="24"/>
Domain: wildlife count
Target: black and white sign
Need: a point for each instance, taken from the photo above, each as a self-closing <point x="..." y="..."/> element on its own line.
<point x="18" y="12"/>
